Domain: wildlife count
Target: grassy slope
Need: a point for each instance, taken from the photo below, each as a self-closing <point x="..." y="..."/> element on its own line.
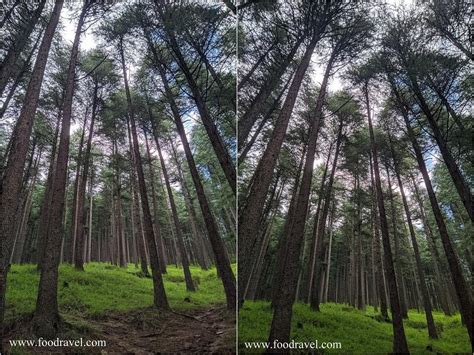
<point x="357" y="331"/>
<point x="103" y="288"/>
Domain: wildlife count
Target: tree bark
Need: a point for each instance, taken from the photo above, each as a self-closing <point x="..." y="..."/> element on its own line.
<point x="419" y="268"/>
<point x="376" y="242"/>
<point x="462" y="290"/>
<point x="177" y="224"/>
<point x="81" y="216"/>
<point x="160" y="299"/>
<point x="203" y="257"/>
<point x="220" y="253"/>
<point x="458" y="179"/>
<point x="251" y="211"/>
<point x="396" y="241"/>
<point x="10" y="185"/>
<point x="399" y="340"/>
<point x="7" y="67"/>
<point x="46" y="316"/>
<point x="320" y="226"/>
<point x="75" y="202"/>
<point x="248" y="118"/>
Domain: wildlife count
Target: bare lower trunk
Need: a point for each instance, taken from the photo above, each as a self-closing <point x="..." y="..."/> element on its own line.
<point x="314" y="239"/>
<point x="440" y="282"/>
<point x="81" y="192"/>
<point x="419" y="268"/>
<point x="203" y="257"/>
<point x="177" y="224"/>
<point x="397" y="260"/>
<point x="46" y="317"/>
<point x="10" y="187"/>
<point x="462" y="290"/>
<point x="251" y="211"/>
<point x="160" y="299"/>
<point x="377" y="250"/>
<point x="399" y="339"/>
<point x="320" y="227"/>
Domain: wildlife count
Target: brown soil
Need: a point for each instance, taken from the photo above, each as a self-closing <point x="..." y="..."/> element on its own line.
<point x="149" y="331"/>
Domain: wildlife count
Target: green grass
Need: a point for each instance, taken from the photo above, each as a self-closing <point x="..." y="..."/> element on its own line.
<point x="357" y="331"/>
<point x="103" y="288"/>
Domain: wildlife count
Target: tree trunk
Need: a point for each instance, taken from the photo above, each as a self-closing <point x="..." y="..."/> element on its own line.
<point x="22" y="230"/>
<point x="251" y="211"/>
<point x="177" y="224"/>
<point x="10" y="185"/>
<point x="18" y="75"/>
<point x="245" y="149"/>
<point x="7" y="67"/>
<point x="222" y="154"/>
<point x="462" y="290"/>
<point x="328" y="269"/>
<point x="203" y="257"/>
<point x="256" y="274"/>
<point x="419" y="268"/>
<point x="282" y="252"/>
<point x="314" y="240"/>
<point x="458" y="179"/>
<point x="440" y="281"/>
<point x="137" y="225"/>
<point x="8" y="14"/>
<point x="399" y="340"/>
<point x="77" y="184"/>
<point x="46" y="316"/>
<point x="160" y="299"/>
<point x="222" y="260"/>
<point x="248" y="118"/>
<point x="320" y="226"/>
<point x="81" y="192"/>
<point x="137" y="216"/>
<point x="376" y="245"/>
<point x="245" y="78"/>
<point x="446" y="104"/>
<point x="397" y="260"/>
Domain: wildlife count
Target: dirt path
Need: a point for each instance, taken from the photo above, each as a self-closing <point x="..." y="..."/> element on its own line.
<point x="205" y="331"/>
<point x="148" y="331"/>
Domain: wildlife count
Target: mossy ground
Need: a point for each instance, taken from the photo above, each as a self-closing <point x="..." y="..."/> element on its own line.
<point x="357" y="331"/>
<point x="102" y="288"/>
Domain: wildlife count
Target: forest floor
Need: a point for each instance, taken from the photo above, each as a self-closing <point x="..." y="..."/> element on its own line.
<point x="113" y="304"/>
<point x="357" y="331"/>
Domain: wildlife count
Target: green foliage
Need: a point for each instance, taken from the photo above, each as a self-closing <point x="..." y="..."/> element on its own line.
<point x="357" y="331"/>
<point x="104" y="287"/>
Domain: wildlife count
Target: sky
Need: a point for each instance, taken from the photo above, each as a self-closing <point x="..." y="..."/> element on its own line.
<point x="69" y="22"/>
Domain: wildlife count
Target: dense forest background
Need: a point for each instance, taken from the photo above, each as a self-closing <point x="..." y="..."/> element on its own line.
<point x="355" y="170"/>
<point x="350" y="157"/>
<point x="121" y="152"/>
